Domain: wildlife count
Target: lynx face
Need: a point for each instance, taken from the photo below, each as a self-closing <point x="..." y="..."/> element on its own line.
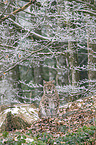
<point x="49" y="88"/>
<point x="49" y="104"/>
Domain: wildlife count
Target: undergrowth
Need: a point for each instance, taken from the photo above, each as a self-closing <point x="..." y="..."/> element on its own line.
<point x="81" y="136"/>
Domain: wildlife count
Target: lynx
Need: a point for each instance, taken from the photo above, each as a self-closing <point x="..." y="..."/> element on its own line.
<point x="49" y="104"/>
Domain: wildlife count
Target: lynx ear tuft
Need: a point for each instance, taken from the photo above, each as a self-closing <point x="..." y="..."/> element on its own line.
<point x="44" y="82"/>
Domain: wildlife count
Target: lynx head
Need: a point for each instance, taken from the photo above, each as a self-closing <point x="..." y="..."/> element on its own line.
<point x="49" y="87"/>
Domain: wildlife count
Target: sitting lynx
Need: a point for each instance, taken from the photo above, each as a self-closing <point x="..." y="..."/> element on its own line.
<point x="49" y="104"/>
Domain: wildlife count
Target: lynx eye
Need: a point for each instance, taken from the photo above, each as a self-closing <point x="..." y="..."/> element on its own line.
<point x="52" y="87"/>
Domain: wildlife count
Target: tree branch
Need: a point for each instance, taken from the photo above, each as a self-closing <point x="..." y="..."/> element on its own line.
<point x="84" y="2"/>
<point x="88" y="12"/>
<point x="18" y="10"/>
<point x="5" y="10"/>
<point x="21" y="60"/>
<point x="34" y="35"/>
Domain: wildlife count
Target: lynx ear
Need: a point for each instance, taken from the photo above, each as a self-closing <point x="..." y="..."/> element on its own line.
<point x="44" y="82"/>
<point x="53" y="81"/>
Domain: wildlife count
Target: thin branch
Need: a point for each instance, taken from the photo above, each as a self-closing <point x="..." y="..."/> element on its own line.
<point x="49" y="53"/>
<point x="88" y="12"/>
<point x="84" y="91"/>
<point x="21" y="60"/>
<point x="23" y="10"/>
<point x="88" y="4"/>
<point x="18" y="10"/>
<point x="5" y="10"/>
<point x="8" y="46"/>
<point x="34" y="35"/>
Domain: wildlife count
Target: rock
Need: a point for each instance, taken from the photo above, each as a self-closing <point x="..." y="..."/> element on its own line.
<point x="17" y="116"/>
<point x="13" y="122"/>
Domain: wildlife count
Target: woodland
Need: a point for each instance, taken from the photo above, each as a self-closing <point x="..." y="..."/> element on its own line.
<point x="48" y="40"/>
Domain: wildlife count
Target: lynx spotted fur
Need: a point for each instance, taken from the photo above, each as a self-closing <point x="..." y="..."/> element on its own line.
<point x="49" y="104"/>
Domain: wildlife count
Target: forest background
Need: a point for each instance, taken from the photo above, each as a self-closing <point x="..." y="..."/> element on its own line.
<point x="47" y="40"/>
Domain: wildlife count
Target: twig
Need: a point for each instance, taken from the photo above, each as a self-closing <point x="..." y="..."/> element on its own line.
<point x="88" y="4"/>
<point x="34" y="35"/>
<point x="8" y="46"/>
<point x="18" y="10"/>
<point x="88" y="12"/>
<point x="84" y="91"/>
<point x="21" y="60"/>
<point x="5" y="10"/>
<point x="23" y="10"/>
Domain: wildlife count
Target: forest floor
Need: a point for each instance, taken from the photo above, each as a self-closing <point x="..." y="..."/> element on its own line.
<point x="76" y="125"/>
